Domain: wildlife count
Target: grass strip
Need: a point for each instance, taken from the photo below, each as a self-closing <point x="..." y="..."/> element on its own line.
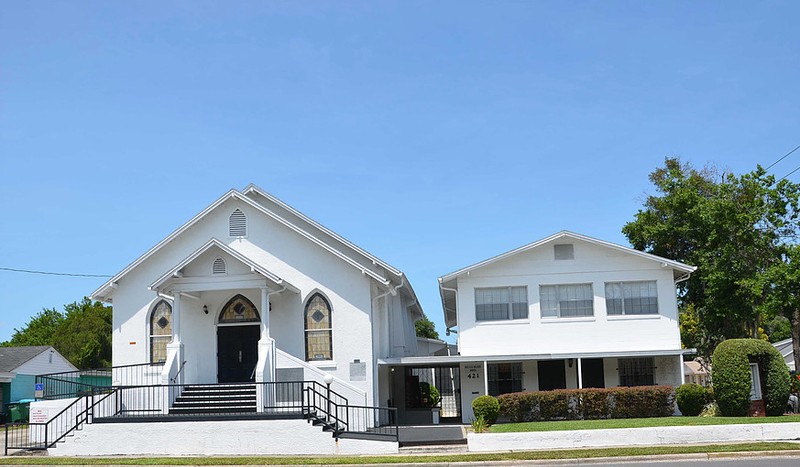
<point x="564" y="425"/>
<point x="396" y="459"/>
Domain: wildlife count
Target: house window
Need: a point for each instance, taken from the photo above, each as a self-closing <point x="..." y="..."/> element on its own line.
<point x="501" y="303"/>
<point x="237" y="224"/>
<point x="504" y="378"/>
<point x="318" y="329"/>
<point x="239" y="310"/>
<point x="566" y="300"/>
<point x="636" y="372"/>
<point x="160" y="331"/>
<point x="632" y="298"/>
<point x="218" y="266"/>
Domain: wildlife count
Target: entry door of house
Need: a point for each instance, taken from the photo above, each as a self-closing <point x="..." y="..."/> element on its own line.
<point x="552" y="375"/>
<point x="237" y="353"/>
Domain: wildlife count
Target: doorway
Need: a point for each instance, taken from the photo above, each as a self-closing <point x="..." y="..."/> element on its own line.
<point x="552" y="375"/>
<point x="237" y="353"/>
<point x="592" y="373"/>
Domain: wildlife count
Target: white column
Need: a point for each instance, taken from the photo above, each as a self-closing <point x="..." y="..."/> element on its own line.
<point x="580" y="375"/>
<point x="264" y="313"/>
<point x="485" y="377"/>
<point x="682" y="370"/>
<point x="176" y="318"/>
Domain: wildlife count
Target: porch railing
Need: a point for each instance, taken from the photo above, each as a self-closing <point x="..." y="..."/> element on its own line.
<point x="174" y="402"/>
<point x="76" y="383"/>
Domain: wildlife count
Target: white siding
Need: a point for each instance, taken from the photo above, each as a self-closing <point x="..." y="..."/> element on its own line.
<point x="42" y="364"/>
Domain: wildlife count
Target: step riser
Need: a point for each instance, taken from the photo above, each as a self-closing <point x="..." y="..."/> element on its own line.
<point x="210" y="400"/>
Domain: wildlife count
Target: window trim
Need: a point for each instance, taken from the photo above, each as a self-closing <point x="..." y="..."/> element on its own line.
<point x="558" y="316"/>
<point x="328" y="330"/>
<point x="630" y="315"/>
<point x="152" y="336"/>
<point x="509" y="305"/>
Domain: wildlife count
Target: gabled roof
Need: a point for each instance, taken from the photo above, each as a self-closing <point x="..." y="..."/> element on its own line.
<point x="214" y="243"/>
<point x="304" y="226"/>
<point x="680" y="270"/>
<point x="685" y="268"/>
<point x="12" y="358"/>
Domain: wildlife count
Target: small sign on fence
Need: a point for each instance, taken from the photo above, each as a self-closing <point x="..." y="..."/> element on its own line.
<point x="38" y="390"/>
<point x="39" y="415"/>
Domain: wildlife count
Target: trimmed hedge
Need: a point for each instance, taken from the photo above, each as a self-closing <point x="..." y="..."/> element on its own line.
<point x="691" y="398"/>
<point x="730" y="373"/>
<point x="584" y="404"/>
<point x="486" y="407"/>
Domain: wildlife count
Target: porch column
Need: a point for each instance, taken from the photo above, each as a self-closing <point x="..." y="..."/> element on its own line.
<point x="682" y="370"/>
<point x="580" y="374"/>
<point x="265" y="313"/>
<point x="176" y="318"/>
<point x="486" y="377"/>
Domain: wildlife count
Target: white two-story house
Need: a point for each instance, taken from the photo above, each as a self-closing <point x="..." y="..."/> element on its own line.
<point x="568" y="311"/>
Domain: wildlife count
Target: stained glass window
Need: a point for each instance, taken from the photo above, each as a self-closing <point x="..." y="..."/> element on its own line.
<point x="318" y="328"/>
<point x="239" y="310"/>
<point x="160" y="331"/>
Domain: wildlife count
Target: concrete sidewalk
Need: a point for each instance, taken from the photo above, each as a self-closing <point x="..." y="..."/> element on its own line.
<point x="616" y="437"/>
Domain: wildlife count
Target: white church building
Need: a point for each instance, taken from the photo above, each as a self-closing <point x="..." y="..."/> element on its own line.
<point x="255" y="321"/>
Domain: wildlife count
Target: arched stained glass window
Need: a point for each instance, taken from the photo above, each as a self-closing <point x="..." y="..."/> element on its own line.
<point x="160" y="331"/>
<point x="318" y="329"/>
<point x="239" y="310"/>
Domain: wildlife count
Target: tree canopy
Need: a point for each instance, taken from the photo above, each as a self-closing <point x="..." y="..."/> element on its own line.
<point x="426" y="328"/>
<point x="81" y="333"/>
<point x="740" y="231"/>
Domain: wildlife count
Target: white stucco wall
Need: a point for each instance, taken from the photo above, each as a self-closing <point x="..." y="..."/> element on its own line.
<point x="290" y="256"/>
<point x="600" y="333"/>
<point x="256" y="437"/>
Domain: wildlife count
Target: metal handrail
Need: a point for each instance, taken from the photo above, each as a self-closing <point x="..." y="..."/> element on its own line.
<point x="175" y="378"/>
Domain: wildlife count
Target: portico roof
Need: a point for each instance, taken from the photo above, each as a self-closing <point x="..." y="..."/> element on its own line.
<point x="174" y="275"/>
<point x="443" y="360"/>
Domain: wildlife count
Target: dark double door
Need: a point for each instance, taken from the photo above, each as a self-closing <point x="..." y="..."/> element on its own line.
<point x="237" y="353"/>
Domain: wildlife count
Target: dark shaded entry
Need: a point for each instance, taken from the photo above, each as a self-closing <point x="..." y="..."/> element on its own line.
<point x="592" y="373"/>
<point x="237" y="353"/>
<point x="552" y="375"/>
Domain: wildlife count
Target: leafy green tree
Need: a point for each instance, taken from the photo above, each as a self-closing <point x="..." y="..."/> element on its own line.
<point x="84" y="337"/>
<point x="38" y="331"/>
<point x="425" y="328"/>
<point x="778" y="329"/>
<point x="82" y="333"/>
<point x="735" y="229"/>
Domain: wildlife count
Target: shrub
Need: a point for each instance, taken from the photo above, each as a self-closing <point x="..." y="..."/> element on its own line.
<point x="428" y="395"/>
<point x="730" y="372"/>
<point x="479" y="425"/>
<point x="691" y="398"/>
<point x="710" y="410"/>
<point x="623" y="402"/>
<point x="487" y="407"/>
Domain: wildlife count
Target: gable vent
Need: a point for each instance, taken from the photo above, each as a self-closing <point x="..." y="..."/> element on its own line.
<point x="237" y="224"/>
<point x="564" y="251"/>
<point x="219" y="266"/>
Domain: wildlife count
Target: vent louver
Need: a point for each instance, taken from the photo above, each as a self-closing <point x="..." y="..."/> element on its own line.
<point x="237" y="225"/>
<point x="219" y="266"/>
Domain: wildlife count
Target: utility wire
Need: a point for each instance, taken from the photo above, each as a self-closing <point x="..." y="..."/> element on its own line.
<point x="782" y="158"/>
<point x="28" y="271"/>
<point x="793" y="171"/>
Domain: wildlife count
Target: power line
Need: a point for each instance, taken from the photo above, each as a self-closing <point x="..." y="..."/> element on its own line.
<point x="793" y="171"/>
<point x="47" y="273"/>
<point x="782" y="158"/>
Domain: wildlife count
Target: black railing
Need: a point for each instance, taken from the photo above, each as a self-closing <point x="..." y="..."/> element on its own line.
<point x="81" y="382"/>
<point x="175" y="402"/>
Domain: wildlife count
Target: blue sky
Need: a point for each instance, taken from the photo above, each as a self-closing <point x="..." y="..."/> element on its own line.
<point x="432" y="134"/>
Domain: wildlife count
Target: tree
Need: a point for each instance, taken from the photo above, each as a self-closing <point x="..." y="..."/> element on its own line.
<point x="425" y="328"/>
<point x="736" y="230"/>
<point x="84" y="337"/>
<point x="82" y="333"/>
<point x="39" y="330"/>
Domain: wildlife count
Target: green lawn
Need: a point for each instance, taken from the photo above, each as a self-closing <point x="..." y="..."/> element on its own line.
<point x="564" y="425"/>
<point x="719" y="450"/>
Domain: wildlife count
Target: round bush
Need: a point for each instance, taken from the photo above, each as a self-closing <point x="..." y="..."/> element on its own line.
<point x="691" y="398"/>
<point x="429" y="395"/>
<point x="730" y="373"/>
<point x="487" y="407"/>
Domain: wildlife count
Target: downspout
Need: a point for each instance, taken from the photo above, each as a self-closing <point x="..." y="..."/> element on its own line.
<point x="389" y="291"/>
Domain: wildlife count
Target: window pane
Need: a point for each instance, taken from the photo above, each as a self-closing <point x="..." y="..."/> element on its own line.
<point x="547" y="300"/>
<point x="318" y="314"/>
<point x="491" y="304"/>
<point x="519" y="302"/>
<point x="318" y="345"/>
<point x="239" y="310"/>
<point x="575" y="300"/>
<point x="614" y="298"/>
<point x="636" y="372"/>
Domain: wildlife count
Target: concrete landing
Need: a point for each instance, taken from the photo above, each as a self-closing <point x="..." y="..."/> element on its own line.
<point x="432" y="435"/>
